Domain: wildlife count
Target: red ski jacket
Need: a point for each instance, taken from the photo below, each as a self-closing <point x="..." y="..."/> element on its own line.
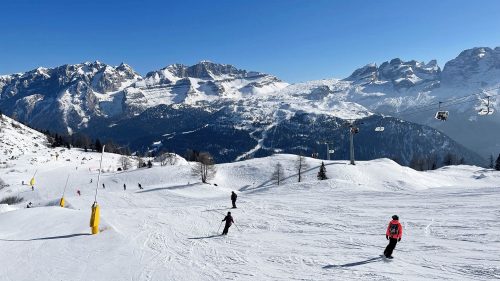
<point x="399" y="234"/>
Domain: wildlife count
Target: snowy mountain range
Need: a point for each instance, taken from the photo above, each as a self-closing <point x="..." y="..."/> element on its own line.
<point x="217" y="102"/>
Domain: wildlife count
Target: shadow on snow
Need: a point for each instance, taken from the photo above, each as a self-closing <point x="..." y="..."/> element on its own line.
<point x="47" y="238"/>
<point x="375" y="259"/>
<point x="205" y="237"/>
<point x="167" y="188"/>
<point x="269" y="183"/>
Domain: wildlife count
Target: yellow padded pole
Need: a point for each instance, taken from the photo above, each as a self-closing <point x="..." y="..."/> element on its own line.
<point x="94" y="219"/>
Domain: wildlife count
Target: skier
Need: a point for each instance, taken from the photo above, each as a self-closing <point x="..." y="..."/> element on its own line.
<point x="29" y="205"/>
<point x="124" y="187"/>
<point x="140" y="186"/>
<point x="32" y="188"/>
<point x="229" y="221"/>
<point x="90" y="180"/>
<point x="103" y="186"/>
<point x="393" y="234"/>
<point x="78" y="192"/>
<point x="233" y="199"/>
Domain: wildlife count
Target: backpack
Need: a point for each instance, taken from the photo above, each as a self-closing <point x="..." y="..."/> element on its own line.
<point x="394" y="229"/>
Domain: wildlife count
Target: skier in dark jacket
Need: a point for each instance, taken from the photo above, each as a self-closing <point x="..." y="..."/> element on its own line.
<point x="393" y="234"/>
<point x="124" y="187"/>
<point x="229" y="221"/>
<point x="233" y="198"/>
<point x="140" y="186"/>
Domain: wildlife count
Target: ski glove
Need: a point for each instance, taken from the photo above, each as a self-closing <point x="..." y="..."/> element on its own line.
<point x="387" y="237"/>
<point x="399" y="239"/>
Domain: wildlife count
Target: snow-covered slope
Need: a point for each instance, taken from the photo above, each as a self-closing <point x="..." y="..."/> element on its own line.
<point x="313" y="230"/>
<point x="17" y="140"/>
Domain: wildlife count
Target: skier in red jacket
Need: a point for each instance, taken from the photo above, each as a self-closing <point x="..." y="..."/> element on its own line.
<point x="393" y="234"/>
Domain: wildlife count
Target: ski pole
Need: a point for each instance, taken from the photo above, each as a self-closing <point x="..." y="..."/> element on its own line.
<point x="237" y="226"/>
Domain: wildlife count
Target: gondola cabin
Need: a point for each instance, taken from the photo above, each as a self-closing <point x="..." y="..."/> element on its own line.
<point x="442" y="115"/>
<point x="379" y="129"/>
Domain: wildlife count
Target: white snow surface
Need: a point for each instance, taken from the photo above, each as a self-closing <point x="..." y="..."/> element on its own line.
<point x="313" y="230"/>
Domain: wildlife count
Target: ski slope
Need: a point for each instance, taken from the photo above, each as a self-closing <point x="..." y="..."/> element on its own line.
<point x="328" y="230"/>
<point x="313" y="230"/>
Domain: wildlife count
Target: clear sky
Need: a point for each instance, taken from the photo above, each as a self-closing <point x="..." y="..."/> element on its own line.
<point x="296" y="40"/>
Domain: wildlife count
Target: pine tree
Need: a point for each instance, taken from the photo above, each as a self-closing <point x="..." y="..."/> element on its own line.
<point x="497" y="164"/>
<point x="462" y="161"/>
<point x="322" y="172"/>
<point x="98" y="145"/>
<point x="492" y="162"/>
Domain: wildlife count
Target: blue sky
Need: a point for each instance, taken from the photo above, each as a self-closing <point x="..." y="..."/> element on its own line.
<point x="294" y="40"/>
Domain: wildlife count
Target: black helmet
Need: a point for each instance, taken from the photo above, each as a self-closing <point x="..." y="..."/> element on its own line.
<point x="228" y="213"/>
<point x="395" y="217"/>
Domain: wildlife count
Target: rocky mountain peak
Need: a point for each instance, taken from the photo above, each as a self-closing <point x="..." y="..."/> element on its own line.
<point x="365" y="74"/>
<point x="401" y="74"/>
<point x="476" y="67"/>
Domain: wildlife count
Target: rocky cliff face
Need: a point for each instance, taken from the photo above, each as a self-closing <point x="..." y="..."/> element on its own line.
<point x="473" y="69"/>
<point x="66" y="98"/>
<point x="79" y="97"/>
<point x="397" y="74"/>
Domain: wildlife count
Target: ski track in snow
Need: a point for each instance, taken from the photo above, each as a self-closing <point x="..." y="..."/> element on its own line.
<point x="313" y="238"/>
<point x="314" y="230"/>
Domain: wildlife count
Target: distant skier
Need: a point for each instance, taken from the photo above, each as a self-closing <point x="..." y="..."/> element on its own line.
<point x="229" y="221"/>
<point x="29" y="205"/>
<point x="233" y="199"/>
<point x="393" y="234"/>
<point x="103" y="186"/>
<point x="78" y="192"/>
<point x="140" y="186"/>
<point x="90" y="180"/>
<point x="32" y="188"/>
<point x="124" y="187"/>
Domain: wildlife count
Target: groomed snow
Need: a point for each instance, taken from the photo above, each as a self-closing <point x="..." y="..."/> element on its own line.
<point x="313" y="230"/>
